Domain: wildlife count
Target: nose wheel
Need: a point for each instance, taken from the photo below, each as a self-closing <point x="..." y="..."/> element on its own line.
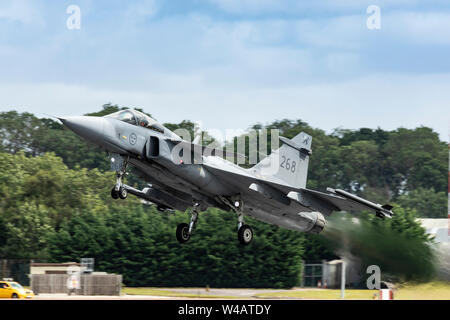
<point x="122" y="193"/>
<point x="119" y="164"/>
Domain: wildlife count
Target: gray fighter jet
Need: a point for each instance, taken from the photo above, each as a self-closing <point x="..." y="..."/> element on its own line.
<point x="184" y="175"/>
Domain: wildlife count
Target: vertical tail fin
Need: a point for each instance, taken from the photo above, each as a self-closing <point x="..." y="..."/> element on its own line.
<point x="289" y="163"/>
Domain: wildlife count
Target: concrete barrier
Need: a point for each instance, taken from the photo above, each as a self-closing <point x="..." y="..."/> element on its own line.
<point x="90" y="284"/>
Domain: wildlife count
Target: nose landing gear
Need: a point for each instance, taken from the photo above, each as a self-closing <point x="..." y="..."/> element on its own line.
<point x="119" y="164"/>
<point x="122" y="193"/>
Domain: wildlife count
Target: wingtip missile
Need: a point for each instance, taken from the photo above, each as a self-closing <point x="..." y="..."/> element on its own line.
<point x="381" y="211"/>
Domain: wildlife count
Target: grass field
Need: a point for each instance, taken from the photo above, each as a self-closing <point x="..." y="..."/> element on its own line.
<point x="428" y="291"/>
<point x="169" y="293"/>
<point x="321" y="294"/>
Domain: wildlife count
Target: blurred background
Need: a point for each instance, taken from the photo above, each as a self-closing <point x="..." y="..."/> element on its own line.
<point x="375" y="101"/>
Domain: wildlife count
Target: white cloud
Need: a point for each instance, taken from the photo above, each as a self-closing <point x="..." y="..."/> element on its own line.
<point x="249" y="53"/>
<point x="386" y="100"/>
<point x="142" y="9"/>
<point x="250" y="7"/>
<point x="233" y="73"/>
<point x="340" y="31"/>
<point x="419" y="28"/>
<point x="23" y="11"/>
<point x="402" y="21"/>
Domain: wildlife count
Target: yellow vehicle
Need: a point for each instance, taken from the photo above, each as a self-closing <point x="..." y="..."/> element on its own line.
<point x="11" y="289"/>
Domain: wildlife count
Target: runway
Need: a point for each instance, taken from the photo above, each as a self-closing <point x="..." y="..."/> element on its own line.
<point x="181" y="294"/>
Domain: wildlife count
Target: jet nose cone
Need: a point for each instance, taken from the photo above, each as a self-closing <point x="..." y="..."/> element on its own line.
<point x="90" y="128"/>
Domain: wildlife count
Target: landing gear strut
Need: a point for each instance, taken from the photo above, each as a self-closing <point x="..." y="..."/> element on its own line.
<point x="184" y="230"/>
<point x="119" y="164"/>
<point x="245" y="232"/>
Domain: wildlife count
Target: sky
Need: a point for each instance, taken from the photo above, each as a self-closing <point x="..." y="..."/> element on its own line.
<point x="229" y="64"/>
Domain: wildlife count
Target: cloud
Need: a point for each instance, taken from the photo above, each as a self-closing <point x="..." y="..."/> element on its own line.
<point x="422" y="28"/>
<point x="326" y="68"/>
<point x="299" y="7"/>
<point x="23" y="11"/>
<point x="339" y="31"/>
<point x="248" y="6"/>
<point x="386" y="100"/>
<point x="142" y="9"/>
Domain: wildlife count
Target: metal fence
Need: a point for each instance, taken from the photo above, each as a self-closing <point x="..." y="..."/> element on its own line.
<point x="325" y="274"/>
<point x="90" y="284"/>
<point x="18" y="269"/>
<point x="312" y="274"/>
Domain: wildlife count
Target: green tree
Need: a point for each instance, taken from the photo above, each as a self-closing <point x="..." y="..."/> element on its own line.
<point x="359" y="165"/>
<point x="17" y="131"/>
<point x="415" y="158"/>
<point x="346" y="137"/>
<point x="38" y="194"/>
<point x="27" y="231"/>
<point x="426" y="202"/>
<point x="141" y="246"/>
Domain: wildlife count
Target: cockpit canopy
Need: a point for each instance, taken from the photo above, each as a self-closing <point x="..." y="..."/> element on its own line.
<point x="137" y="118"/>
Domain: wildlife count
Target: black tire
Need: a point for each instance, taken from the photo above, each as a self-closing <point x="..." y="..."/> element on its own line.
<point x="123" y="193"/>
<point x="114" y="193"/>
<point x="245" y="235"/>
<point x="183" y="235"/>
<point x="14" y="296"/>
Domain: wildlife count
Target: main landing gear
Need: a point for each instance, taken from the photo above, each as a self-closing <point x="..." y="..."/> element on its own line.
<point x="119" y="164"/>
<point x="245" y="233"/>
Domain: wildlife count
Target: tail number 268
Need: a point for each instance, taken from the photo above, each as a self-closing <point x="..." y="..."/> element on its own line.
<point x="287" y="164"/>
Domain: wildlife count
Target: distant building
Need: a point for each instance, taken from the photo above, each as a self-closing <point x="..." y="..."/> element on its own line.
<point x="52" y="268"/>
<point x="53" y="278"/>
<point x="439" y="228"/>
<point x="328" y="274"/>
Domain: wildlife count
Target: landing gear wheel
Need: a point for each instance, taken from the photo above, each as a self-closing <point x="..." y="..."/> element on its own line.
<point x="114" y="193"/>
<point x="183" y="233"/>
<point x="245" y="234"/>
<point x="123" y="193"/>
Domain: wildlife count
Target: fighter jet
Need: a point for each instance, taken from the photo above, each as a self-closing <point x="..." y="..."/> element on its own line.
<point x="184" y="175"/>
